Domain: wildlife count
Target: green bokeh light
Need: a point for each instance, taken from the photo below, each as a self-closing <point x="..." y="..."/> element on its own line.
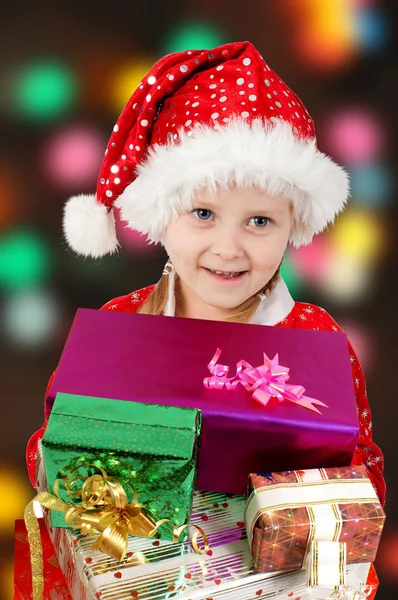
<point x="45" y="91"/>
<point x="291" y="277"/>
<point x="25" y="260"/>
<point x="198" y="35"/>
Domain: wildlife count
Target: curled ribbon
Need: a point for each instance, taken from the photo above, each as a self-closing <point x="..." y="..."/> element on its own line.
<point x="267" y="381"/>
<point x="104" y="510"/>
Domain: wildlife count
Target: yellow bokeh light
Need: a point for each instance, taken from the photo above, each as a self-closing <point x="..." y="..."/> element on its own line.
<point x="18" y="494"/>
<point x="346" y="280"/>
<point x="359" y="234"/>
<point x="127" y="79"/>
<point x="327" y="35"/>
<point x="337" y="16"/>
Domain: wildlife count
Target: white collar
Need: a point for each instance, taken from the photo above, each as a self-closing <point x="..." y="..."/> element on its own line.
<point x="275" y="307"/>
<point x="272" y="310"/>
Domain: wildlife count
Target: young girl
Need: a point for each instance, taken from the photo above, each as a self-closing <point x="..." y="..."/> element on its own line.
<point x="216" y="158"/>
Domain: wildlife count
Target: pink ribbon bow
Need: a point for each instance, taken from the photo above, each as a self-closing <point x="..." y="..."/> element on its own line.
<point x="264" y="382"/>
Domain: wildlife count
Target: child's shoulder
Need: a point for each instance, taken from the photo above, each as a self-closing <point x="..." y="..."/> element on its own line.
<point x="310" y="316"/>
<point x="131" y="302"/>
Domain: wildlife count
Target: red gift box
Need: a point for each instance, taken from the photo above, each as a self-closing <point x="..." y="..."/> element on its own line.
<point x="55" y="587"/>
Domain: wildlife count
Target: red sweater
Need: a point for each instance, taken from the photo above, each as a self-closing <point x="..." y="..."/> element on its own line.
<point x="302" y="316"/>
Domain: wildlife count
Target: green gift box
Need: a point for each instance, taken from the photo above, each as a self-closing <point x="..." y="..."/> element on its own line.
<point x="150" y="449"/>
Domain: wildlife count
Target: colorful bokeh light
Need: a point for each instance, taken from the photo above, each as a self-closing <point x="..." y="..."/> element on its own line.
<point x="360" y="235"/>
<point x="45" y="91"/>
<point x="127" y="80"/>
<point x="194" y="35"/>
<point x="30" y="319"/>
<point x="19" y="493"/>
<point x="25" y="260"/>
<point x="361" y="341"/>
<point x="355" y="135"/>
<point x="348" y="281"/>
<point x="329" y="36"/>
<point x="324" y="36"/>
<point x="132" y="240"/>
<point x="291" y="276"/>
<point x="312" y="260"/>
<point x="387" y="557"/>
<point x="371" y="185"/>
<point x="373" y="29"/>
<point x="72" y="157"/>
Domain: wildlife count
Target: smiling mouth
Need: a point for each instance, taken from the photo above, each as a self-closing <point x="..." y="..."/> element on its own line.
<point x="226" y="274"/>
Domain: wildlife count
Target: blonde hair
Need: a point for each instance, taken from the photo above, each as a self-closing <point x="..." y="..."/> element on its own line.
<point x="156" y="302"/>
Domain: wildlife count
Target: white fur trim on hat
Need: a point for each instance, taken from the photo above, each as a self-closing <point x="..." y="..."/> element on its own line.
<point x="266" y="155"/>
<point x="89" y="227"/>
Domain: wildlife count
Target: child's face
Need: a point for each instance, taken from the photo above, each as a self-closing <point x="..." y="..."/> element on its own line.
<point x="227" y="248"/>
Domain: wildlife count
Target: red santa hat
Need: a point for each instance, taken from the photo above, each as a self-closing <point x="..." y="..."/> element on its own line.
<point x="202" y="119"/>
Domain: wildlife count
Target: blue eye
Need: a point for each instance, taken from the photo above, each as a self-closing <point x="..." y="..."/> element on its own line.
<point x="260" y="221"/>
<point x="204" y="214"/>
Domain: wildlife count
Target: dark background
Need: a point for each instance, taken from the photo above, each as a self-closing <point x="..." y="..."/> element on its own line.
<point x="66" y="71"/>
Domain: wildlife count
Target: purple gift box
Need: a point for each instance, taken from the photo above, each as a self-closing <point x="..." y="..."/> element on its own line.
<point x="163" y="360"/>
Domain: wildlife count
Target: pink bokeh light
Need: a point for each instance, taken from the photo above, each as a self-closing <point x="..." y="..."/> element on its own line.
<point x="72" y="157"/>
<point x="132" y="240"/>
<point x="312" y="260"/>
<point x="361" y="341"/>
<point x="354" y="135"/>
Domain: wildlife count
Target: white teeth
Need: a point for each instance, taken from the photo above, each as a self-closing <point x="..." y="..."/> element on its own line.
<point x="226" y="273"/>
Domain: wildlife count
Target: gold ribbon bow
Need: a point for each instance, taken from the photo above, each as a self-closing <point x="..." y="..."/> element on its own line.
<point x="104" y="509"/>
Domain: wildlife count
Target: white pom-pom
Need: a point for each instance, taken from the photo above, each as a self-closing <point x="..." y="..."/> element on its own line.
<point x="89" y="228"/>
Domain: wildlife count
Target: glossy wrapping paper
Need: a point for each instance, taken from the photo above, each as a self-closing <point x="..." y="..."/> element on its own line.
<point x="164" y="360"/>
<point x="281" y="533"/>
<point x="55" y="587"/>
<point x="150" y="448"/>
<point x="161" y="570"/>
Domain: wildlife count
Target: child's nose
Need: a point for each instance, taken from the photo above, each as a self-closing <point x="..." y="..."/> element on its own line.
<point x="227" y="246"/>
